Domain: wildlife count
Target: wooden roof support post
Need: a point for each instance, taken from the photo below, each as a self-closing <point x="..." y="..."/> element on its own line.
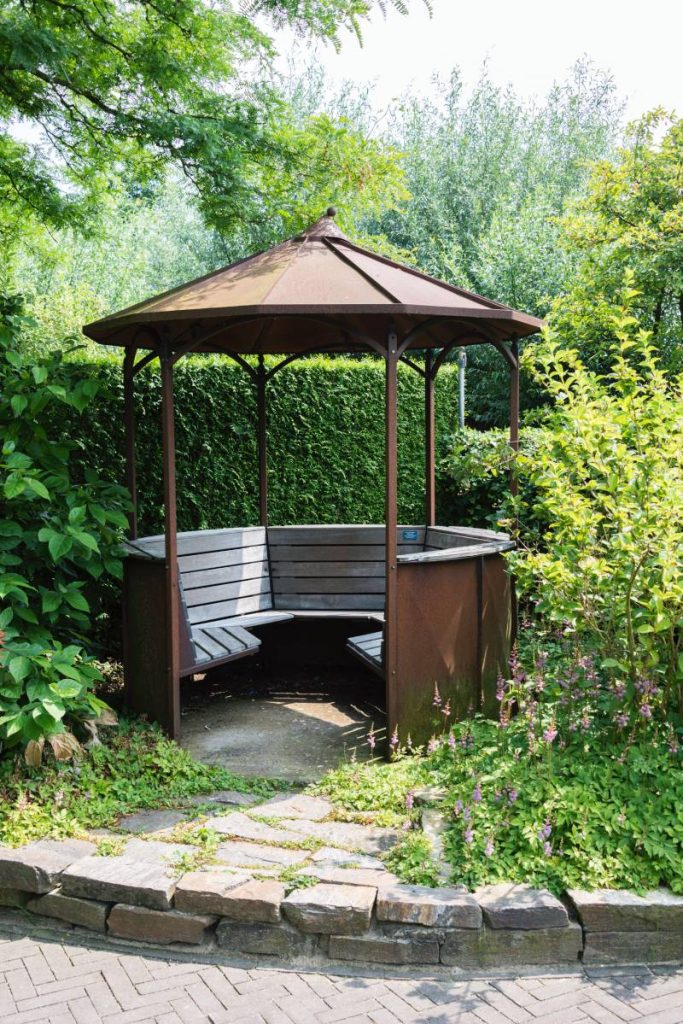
<point x="391" y="520"/>
<point x="129" y="424"/>
<point x="430" y="488"/>
<point x="514" y="413"/>
<point x="172" y="723"/>
<point x="262" y="429"/>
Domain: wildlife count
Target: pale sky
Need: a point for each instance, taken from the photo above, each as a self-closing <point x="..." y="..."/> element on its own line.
<point x="530" y="43"/>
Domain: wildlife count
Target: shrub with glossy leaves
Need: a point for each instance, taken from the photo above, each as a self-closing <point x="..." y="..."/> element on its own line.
<point x="58" y="536"/>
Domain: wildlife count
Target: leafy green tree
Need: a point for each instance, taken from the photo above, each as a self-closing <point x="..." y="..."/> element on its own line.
<point x="631" y="216"/>
<point x="488" y="174"/>
<point x="609" y="486"/>
<point x="116" y="93"/>
<point x="58" y="536"/>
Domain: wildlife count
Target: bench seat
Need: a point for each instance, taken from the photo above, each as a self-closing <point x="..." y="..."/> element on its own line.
<point x="222" y="643"/>
<point x="368" y="648"/>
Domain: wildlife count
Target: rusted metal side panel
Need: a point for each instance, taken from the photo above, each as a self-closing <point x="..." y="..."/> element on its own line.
<point x="438" y="642"/>
<point x="145" y="639"/>
<point x="497" y="607"/>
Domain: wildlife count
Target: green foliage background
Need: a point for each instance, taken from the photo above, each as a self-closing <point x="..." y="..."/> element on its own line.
<point x="326" y="441"/>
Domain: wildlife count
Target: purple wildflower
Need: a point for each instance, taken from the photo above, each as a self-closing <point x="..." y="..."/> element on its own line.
<point x="489" y="848"/>
<point x="500" y="687"/>
<point x="547" y="849"/>
<point x="476" y="794"/>
<point x="546" y="831"/>
<point x="410" y="800"/>
<point x="432" y="745"/>
<point x="371" y="738"/>
<point x="458" y="807"/>
<point x="451" y="740"/>
<point x="621" y="720"/>
<point x="393" y="742"/>
<point x="512" y="795"/>
<point x="550" y="733"/>
<point x="446" y="709"/>
<point x="645" y="710"/>
<point x="469" y="835"/>
<point x="467" y="813"/>
<point x="437" y="701"/>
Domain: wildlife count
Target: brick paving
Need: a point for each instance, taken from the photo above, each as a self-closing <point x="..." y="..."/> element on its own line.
<point x="53" y="981"/>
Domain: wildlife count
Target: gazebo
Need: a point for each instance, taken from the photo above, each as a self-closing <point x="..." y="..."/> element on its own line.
<point x="438" y="598"/>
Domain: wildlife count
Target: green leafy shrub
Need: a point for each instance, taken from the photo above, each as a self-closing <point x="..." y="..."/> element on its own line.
<point x="609" y="485"/>
<point x="137" y="767"/>
<point x="584" y="813"/>
<point x="475" y="477"/>
<point x="57" y="538"/>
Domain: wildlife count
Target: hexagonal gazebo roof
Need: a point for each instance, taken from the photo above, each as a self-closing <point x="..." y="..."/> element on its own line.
<point x="317" y="289"/>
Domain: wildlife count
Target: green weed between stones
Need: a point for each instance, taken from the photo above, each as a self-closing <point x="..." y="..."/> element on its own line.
<point x="138" y="768"/>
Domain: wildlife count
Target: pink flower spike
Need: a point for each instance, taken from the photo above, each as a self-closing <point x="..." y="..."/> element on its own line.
<point x="437" y="701"/>
<point x="469" y="835"/>
<point x="489" y="848"/>
<point x="371" y="739"/>
<point x="393" y="742"/>
<point x="451" y="741"/>
<point x="410" y="800"/>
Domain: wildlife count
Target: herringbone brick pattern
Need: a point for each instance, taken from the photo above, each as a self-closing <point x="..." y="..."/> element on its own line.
<point x="51" y="982"/>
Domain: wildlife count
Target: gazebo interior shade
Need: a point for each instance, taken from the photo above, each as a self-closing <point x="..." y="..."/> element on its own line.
<point x="315" y="290"/>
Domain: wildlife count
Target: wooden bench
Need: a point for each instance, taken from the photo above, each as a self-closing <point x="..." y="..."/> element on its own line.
<point x="235" y="579"/>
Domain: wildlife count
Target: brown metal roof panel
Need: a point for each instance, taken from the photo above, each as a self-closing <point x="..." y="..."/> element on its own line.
<point x="317" y="277"/>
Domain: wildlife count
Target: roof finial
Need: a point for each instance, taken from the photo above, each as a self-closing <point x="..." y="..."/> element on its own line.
<point x="331" y="211"/>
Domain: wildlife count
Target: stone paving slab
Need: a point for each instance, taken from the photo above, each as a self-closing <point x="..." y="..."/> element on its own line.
<point x="333" y="855"/>
<point x="151" y="821"/>
<point x="369" y="839"/>
<point x="257" y="900"/>
<point x="147" y="883"/>
<point x="37" y="866"/>
<point x="436" y="908"/>
<point x="259" y="855"/>
<point x="295" y="805"/>
<point x="242" y="827"/>
<point x="128" y="922"/>
<point x="340" y="875"/>
<point x="204" y="891"/>
<point x="90" y="914"/>
<point x="610" y="910"/>
<point x="506" y="905"/>
<point x="331" y="909"/>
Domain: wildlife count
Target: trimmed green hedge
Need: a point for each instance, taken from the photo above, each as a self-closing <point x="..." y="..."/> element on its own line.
<point x="325" y="445"/>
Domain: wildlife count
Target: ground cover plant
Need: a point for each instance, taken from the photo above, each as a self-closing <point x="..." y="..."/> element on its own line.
<point x="136" y="768"/>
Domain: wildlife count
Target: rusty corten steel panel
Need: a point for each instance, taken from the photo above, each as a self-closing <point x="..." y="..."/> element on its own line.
<point x="437" y="643"/>
<point x="316" y="289"/>
<point x="496" y="631"/>
<point x="145" y="640"/>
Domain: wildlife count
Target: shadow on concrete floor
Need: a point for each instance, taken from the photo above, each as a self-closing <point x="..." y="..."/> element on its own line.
<point x="283" y="722"/>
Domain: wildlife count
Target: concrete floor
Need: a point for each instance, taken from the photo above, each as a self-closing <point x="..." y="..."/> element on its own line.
<point x="283" y="722"/>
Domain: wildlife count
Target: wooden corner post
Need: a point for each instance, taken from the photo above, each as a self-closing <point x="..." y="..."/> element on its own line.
<point x="391" y="520"/>
<point x="172" y="722"/>
<point x="262" y="430"/>
<point x="430" y="487"/>
<point x="129" y="424"/>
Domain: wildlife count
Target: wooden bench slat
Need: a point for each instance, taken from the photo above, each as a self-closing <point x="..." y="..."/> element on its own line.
<point x="222" y="610"/>
<point x="227" y="591"/>
<point x="368" y="650"/>
<point x="334" y="552"/>
<point x="321" y="602"/>
<point x="329" y="585"/>
<point x="227" y="574"/>
<point x="341" y="535"/>
<point x="324" y="568"/>
<point x="221" y="559"/>
<point x="206" y="540"/>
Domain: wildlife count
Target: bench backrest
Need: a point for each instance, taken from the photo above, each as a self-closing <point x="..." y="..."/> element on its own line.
<point x="328" y="568"/>
<point x="224" y="573"/>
